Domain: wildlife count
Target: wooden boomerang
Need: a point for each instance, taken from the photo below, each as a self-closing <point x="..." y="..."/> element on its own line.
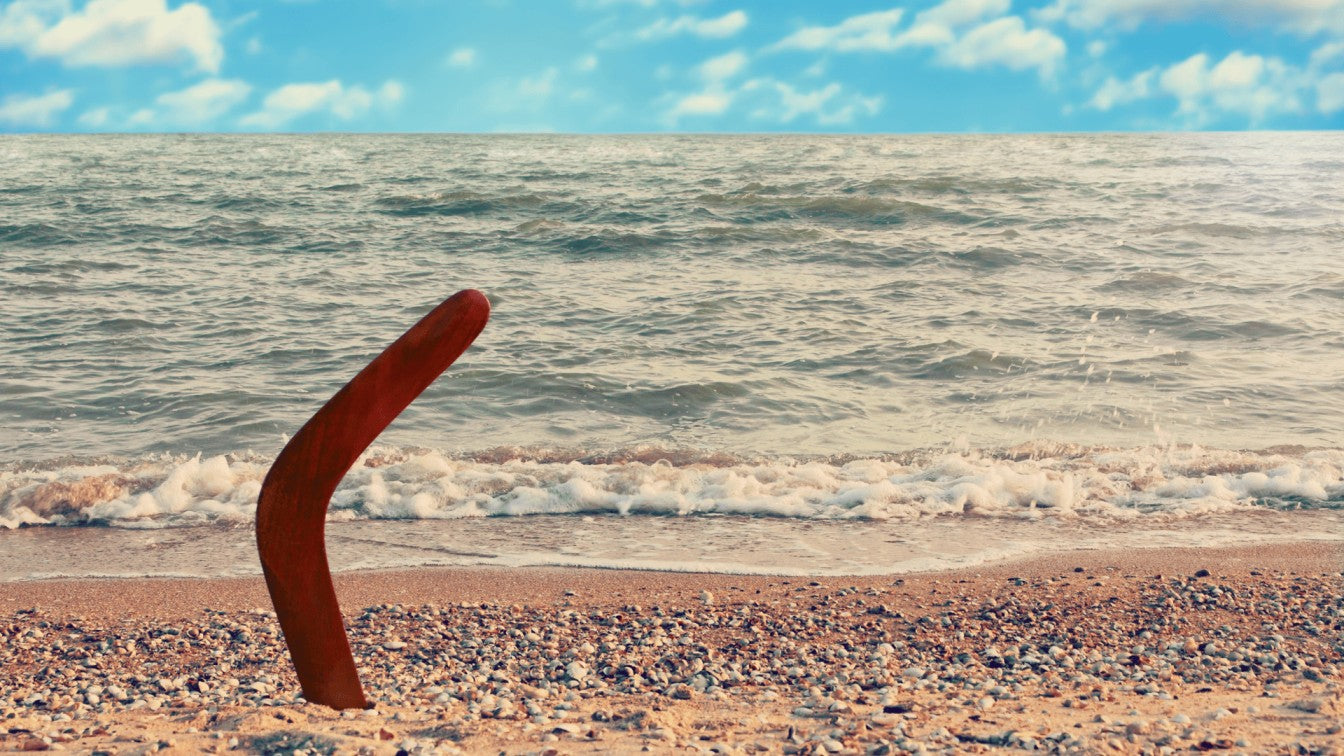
<point x="292" y="506"/>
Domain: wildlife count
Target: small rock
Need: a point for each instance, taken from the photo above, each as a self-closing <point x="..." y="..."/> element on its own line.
<point x="680" y="691"/>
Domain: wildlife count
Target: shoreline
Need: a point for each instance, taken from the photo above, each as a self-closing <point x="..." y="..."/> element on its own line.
<point x="151" y="596"/>
<point x="1128" y="651"/>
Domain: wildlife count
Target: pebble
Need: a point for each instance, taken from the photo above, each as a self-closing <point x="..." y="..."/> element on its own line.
<point x="855" y="677"/>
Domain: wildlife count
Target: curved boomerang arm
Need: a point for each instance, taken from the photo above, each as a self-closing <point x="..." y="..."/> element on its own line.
<point x="292" y="505"/>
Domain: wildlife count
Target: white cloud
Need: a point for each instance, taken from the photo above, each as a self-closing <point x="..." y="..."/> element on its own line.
<point x="959" y="13"/>
<point x="797" y="103"/>
<point x="724" y="66"/>
<point x="23" y="21"/>
<point x="1245" y="85"/>
<point x="827" y="105"/>
<point x="539" y="86"/>
<point x="35" y="110"/>
<point x="1096" y="48"/>
<point x="1327" y="53"/>
<point x="1305" y="16"/>
<point x="392" y="92"/>
<point x="714" y="28"/>
<point x="586" y="63"/>
<point x="1116" y="92"/>
<point x="95" y="118"/>
<point x="253" y="46"/>
<point x="770" y="99"/>
<point x="1006" y="42"/>
<point x="1248" y="85"/>
<point x="462" y="57"/>
<point x="869" y="31"/>
<point x="1330" y="93"/>
<point x="703" y="103"/>
<point x="965" y="33"/>
<point x="294" y="100"/>
<point x="203" y="102"/>
<point x="114" y="33"/>
<point x="716" y="97"/>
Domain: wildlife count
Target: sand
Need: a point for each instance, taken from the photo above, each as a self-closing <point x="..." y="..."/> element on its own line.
<point x="1236" y="650"/>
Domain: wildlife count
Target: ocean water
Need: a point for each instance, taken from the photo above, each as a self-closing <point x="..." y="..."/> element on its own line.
<point x="782" y="354"/>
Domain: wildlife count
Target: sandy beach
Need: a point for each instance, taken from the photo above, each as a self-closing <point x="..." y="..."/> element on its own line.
<point x="1234" y="650"/>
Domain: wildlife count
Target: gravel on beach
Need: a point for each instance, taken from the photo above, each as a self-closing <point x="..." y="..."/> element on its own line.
<point x="1097" y="658"/>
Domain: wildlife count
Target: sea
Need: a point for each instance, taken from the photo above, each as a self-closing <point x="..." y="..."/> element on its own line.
<point x="784" y="354"/>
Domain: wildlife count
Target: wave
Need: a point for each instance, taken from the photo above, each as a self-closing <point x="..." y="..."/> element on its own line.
<point x="470" y="203"/>
<point x="855" y="209"/>
<point x="1032" y="481"/>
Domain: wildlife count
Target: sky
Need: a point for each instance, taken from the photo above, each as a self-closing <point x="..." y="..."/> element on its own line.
<point x="602" y="66"/>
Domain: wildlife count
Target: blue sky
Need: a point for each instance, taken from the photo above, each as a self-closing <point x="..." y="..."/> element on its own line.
<point x="670" y="65"/>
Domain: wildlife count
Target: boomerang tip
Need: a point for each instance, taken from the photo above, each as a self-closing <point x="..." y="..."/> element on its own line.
<point x="474" y="298"/>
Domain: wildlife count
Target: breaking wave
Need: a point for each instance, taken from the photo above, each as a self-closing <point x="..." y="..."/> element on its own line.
<point x="1032" y="481"/>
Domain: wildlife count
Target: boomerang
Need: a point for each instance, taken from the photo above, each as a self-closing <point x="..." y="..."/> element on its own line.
<point x="292" y="505"/>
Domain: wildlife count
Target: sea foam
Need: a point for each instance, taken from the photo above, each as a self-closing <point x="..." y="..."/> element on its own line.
<point x="1024" y="483"/>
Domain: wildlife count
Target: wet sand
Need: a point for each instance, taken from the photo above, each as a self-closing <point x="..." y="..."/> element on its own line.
<point x="1133" y="651"/>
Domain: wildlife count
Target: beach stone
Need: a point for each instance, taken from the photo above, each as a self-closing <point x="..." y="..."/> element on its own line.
<point x="680" y="691"/>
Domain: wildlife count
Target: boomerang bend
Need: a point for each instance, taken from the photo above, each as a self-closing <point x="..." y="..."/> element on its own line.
<point x="292" y="506"/>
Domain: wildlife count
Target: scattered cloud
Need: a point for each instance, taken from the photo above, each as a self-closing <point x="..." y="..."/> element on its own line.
<point x="253" y="46"/>
<point x="724" y="66"/>
<point x="702" y="103"/>
<point x="586" y="63"/>
<point x="95" y="118"/>
<point x="114" y="33"/>
<point x="462" y="57"/>
<point x="391" y="93"/>
<point x="964" y="33"/>
<point x="767" y="98"/>
<point x="35" y="110"/>
<point x="1116" y="92"/>
<point x="293" y="101"/>
<point x="1330" y="93"/>
<point x="955" y="14"/>
<point x="539" y="86"/>
<point x="716" y="98"/>
<point x="23" y="21"/>
<point x="1249" y="85"/>
<point x="1327" y="53"/>
<point x="1006" y="42"/>
<point x="1243" y="85"/>
<point x="827" y="105"/>
<point x="711" y="28"/>
<point x="1303" y="16"/>
<point x="869" y="31"/>
<point x="201" y="103"/>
